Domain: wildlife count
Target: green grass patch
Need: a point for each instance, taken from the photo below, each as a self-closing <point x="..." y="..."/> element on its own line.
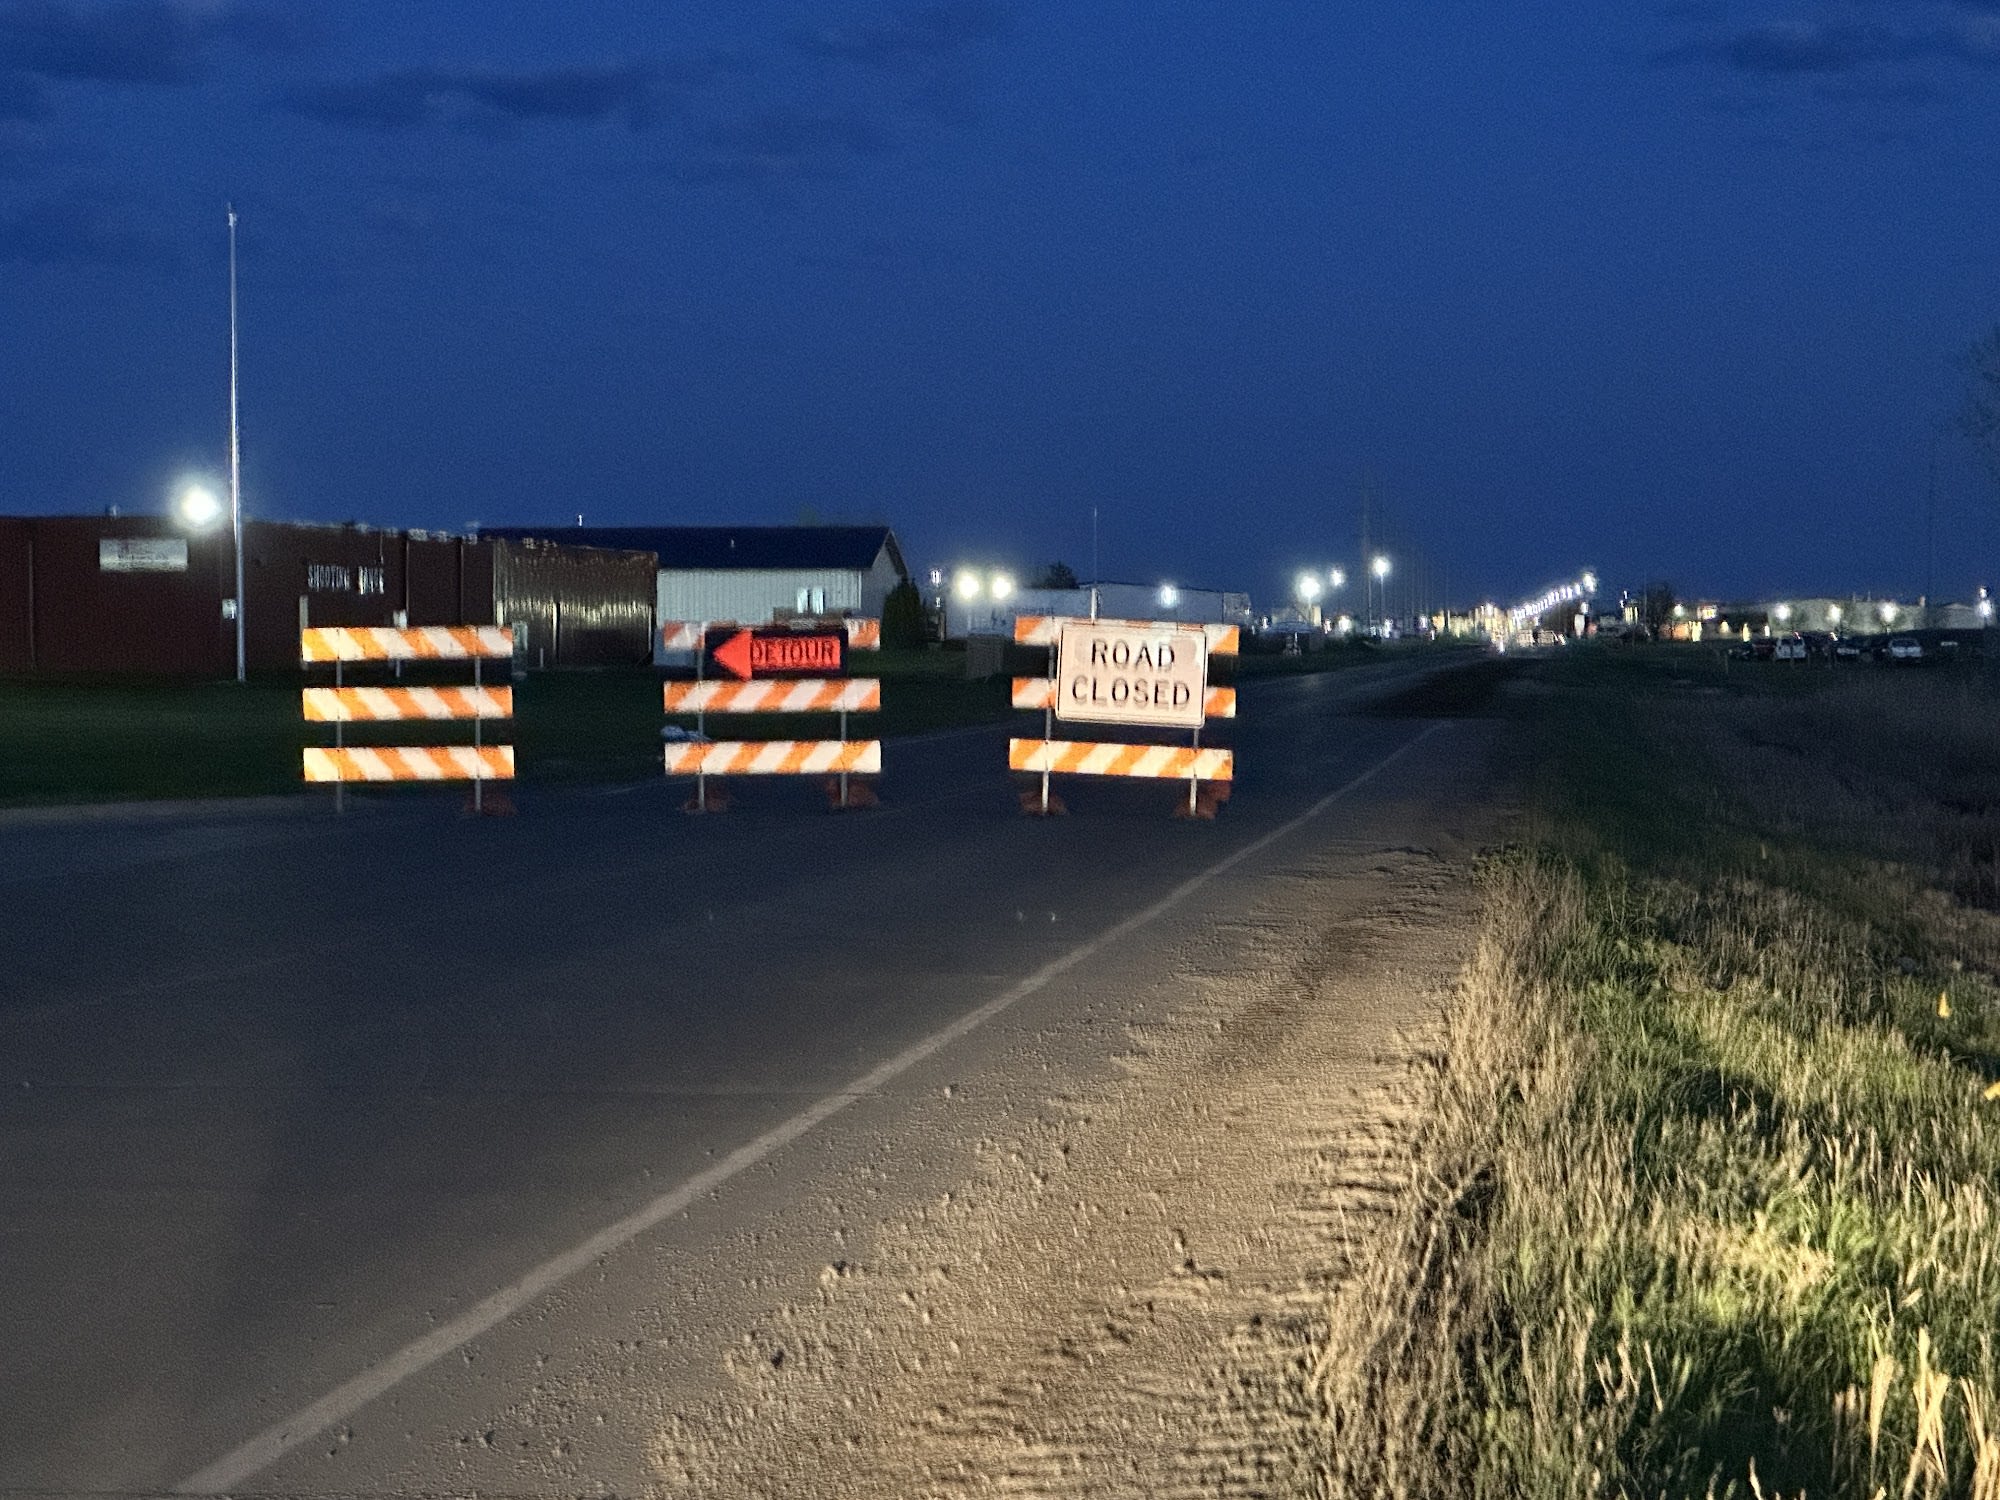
<point x="1707" y="1191"/>
<point x="118" y="739"/>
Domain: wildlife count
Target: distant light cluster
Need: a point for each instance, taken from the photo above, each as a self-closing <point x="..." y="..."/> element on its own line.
<point x="1562" y="593"/>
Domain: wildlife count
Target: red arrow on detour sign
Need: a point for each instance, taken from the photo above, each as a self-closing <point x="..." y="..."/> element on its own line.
<point x="772" y="653"/>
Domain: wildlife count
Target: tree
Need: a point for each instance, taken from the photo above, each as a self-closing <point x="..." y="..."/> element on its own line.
<point x="1057" y="575"/>
<point x="1656" y="606"/>
<point x="906" y="624"/>
<point x="1979" y="416"/>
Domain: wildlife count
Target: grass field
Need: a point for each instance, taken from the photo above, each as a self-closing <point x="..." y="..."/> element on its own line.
<point x="1707" y="1197"/>
<point x="114" y="739"/>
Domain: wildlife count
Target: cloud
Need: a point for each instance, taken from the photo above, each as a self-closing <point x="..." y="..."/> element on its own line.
<point x="80" y="231"/>
<point x="926" y="32"/>
<point x="788" y="132"/>
<point x="746" y="171"/>
<point x="416" y="97"/>
<point x="1781" y="49"/>
<point x="780" y="145"/>
<point x="137" y="42"/>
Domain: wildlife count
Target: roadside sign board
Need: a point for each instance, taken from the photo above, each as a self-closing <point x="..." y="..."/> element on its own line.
<point x="744" y="654"/>
<point x="1127" y="672"/>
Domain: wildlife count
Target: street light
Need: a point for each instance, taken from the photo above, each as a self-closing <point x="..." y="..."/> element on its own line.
<point x="197" y="505"/>
<point x="1169" y="596"/>
<point x="1001" y="585"/>
<point x="1379" y="567"/>
<point x="1783" y="613"/>
<point x="1833" y="614"/>
<point x="1888" y="614"/>
<point x="965" y="584"/>
<point x="1337" y="578"/>
<point x="1308" y="587"/>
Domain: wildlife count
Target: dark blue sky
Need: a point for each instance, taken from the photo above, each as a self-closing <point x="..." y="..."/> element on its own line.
<point x="1670" y="291"/>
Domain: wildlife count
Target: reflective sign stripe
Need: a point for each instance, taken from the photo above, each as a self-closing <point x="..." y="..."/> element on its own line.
<point x="774" y="758"/>
<point x="325" y="705"/>
<point x="775" y="696"/>
<point x="412" y="763"/>
<point x="1087" y="758"/>
<point x="420" y="643"/>
<point x="1040" y="692"/>
<point x="687" y="635"/>
<point x="1042" y="630"/>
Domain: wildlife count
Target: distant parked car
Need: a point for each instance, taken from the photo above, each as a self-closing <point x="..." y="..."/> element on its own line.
<point x="1847" y="648"/>
<point x="1905" y="648"/>
<point x="1789" y="648"/>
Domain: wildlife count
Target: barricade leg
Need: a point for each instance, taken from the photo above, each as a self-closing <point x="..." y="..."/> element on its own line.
<point x="709" y="796"/>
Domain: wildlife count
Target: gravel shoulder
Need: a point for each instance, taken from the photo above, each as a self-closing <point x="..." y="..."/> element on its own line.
<point x="1086" y="1253"/>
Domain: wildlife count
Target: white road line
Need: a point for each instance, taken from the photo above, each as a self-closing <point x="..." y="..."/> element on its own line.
<point x="230" y="1471"/>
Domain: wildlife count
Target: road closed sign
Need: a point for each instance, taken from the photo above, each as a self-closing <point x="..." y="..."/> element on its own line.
<point x="1124" y="672"/>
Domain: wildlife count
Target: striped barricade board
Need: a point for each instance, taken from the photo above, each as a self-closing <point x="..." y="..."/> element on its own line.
<point x="1091" y="758"/>
<point x="1149" y="675"/>
<point x="1040" y="692"/>
<point x="346" y="703"/>
<point x="417" y="643"/>
<point x="411" y="763"/>
<point x="1044" y="630"/>
<point x="325" y="705"/>
<point x="688" y="635"/>
<point x="775" y="695"/>
<point x="793" y="667"/>
<point x="775" y="758"/>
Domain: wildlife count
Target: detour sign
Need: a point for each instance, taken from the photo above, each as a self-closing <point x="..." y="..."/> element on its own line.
<point x="1119" y="672"/>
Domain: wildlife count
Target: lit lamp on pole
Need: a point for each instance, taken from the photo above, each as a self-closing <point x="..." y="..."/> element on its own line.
<point x="197" y="506"/>
<point x="1379" y="567"/>
<point x="1308" y="591"/>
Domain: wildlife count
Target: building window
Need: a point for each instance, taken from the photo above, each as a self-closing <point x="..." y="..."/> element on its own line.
<point x="372" y="580"/>
<point x="329" y="578"/>
<point x="812" y="601"/>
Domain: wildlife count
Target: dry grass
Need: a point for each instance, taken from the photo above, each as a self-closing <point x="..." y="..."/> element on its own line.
<point x="1708" y="1198"/>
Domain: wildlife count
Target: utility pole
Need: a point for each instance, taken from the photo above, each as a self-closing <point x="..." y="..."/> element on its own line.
<point x="1930" y="523"/>
<point x="235" y="451"/>
<point x="1367" y="560"/>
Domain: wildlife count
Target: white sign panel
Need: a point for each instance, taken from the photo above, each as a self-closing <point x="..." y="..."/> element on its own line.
<point x="1119" y="672"/>
<point x="142" y="554"/>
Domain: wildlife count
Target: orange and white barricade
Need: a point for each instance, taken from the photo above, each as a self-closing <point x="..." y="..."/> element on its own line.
<point x="1145" y="673"/>
<point x="344" y="703"/>
<point x="839" y="760"/>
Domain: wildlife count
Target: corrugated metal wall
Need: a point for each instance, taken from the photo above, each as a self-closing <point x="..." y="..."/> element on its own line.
<point x="751" y="596"/>
<point x="580" y="606"/>
<point x="63" y="608"/>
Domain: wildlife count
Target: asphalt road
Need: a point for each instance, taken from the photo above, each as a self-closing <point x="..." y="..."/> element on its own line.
<point x="294" y="1110"/>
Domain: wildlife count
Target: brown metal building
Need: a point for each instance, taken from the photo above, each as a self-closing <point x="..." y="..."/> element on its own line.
<point x="142" y="594"/>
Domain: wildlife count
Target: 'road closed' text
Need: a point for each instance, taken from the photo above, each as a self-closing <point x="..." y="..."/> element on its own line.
<point x="1113" y="672"/>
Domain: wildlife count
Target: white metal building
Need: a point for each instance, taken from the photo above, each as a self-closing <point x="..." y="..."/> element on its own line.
<point x="982" y="614"/>
<point x="754" y="574"/>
